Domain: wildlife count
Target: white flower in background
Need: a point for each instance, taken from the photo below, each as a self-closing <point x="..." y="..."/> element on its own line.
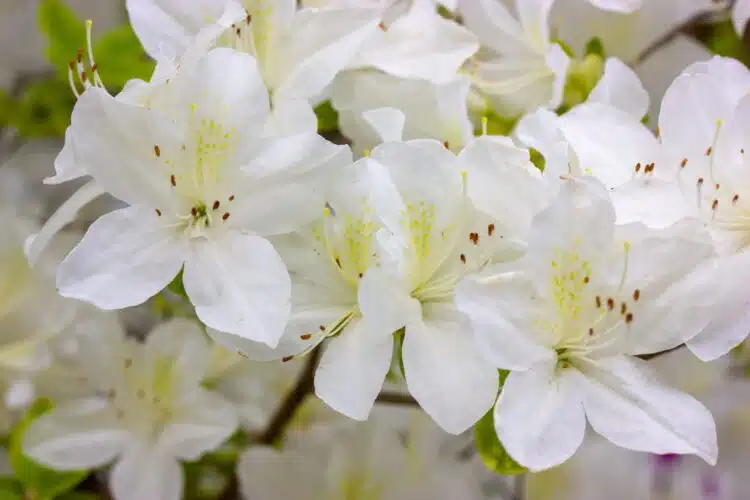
<point x="604" y="137"/>
<point x="371" y="460"/>
<point x="429" y="110"/>
<point x="635" y="36"/>
<point x="204" y="186"/>
<point x="299" y="52"/>
<point x="433" y="237"/>
<point x="518" y="69"/>
<point x="146" y="412"/>
<point x="704" y="131"/>
<point x="567" y="320"/>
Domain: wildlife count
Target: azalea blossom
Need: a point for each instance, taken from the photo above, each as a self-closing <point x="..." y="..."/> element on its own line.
<point x="146" y="411"/>
<point x="567" y="319"/>
<point x="740" y="15"/>
<point x="204" y="184"/>
<point x="518" y="69"/>
<point x="704" y="135"/>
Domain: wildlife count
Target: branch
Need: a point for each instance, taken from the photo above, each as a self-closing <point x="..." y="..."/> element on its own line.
<point x="394" y="398"/>
<point x="285" y="413"/>
<point x="647" y="357"/>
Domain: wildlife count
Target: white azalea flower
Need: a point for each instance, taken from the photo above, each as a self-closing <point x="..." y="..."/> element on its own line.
<point x="204" y="186"/>
<point x="148" y="411"/>
<point x="519" y="68"/>
<point x="704" y="135"/>
<point x="435" y="236"/>
<point x="740" y="15"/>
<point x="568" y="317"/>
<point x="364" y="461"/>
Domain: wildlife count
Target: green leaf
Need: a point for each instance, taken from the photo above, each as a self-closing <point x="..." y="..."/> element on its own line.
<point x="328" y="118"/>
<point x="537" y="159"/>
<point x="176" y="286"/>
<point x="39" y="482"/>
<point x="64" y="30"/>
<point x="10" y="489"/>
<point x="491" y="450"/>
<point x="43" y="110"/>
<point x="120" y="57"/>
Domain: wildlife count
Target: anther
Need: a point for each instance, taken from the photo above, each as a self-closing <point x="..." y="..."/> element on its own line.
<point x="623" y="308"/>
<point x="225" y="216"/>
<point x="157" y="150"/>
<point x="591" y="332"/>
<point x="306" y="336"/>
<point x="474" y="237"/>
<point x="173" y="180"/>
<point x="735" y="198"/>
<point x="286" y="358"/>
<point x="629" y="318"/>
<point x="463" y="258"/>
<point x="637" y="167"/>
<point x="683" y="163"/>
<point x="231" y="198"/>
<point x="216" y="205"/>
<point x="381" y="25"/>
<point x="158" y="212"/>
<point x="610" y="303"/>
<point x="598" y="302"/>
<point x="636" y="294"/>
<point x="490" y="229"/>
<point x="709" y="150"/>
<point x="322" y="328"/>
<point x="194" y="212"/>
<point x="586" y="279"/>
<point x="714" y="204"/>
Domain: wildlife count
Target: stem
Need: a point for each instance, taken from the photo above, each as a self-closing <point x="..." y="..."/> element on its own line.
<point x="394" y="398"/>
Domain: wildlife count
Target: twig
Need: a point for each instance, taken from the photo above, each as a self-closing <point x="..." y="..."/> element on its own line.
<point x="303" y="388"/>
<point x="647" y="357"/>
<point x="394" y="398"/>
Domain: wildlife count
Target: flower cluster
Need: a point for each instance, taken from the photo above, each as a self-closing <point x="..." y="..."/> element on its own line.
<point x="493" y="224"/>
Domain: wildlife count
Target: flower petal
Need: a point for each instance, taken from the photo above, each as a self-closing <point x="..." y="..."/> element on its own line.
<point x="539" y="416"/>
<point x="444" y="370"/>
<point x="635" y="411"/>
<point x="352" y="370"/>
<point x="126" y="257"/>
<point x="76" y="435"/>
<point x="146" y="473"/>
<point x="621" y="88"/>
<point x="239" y="284"/>
<point x="384" y="302"/>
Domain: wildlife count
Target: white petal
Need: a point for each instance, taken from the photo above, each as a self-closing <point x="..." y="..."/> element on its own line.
<point x="352" y="370"/>
<point x="238" y="284"/>
<point x="498" y="309"/>
<point x="184" y="341"/>
<point x="654" y="202"/>
<point x="621" y="6"/>
<point x="146" y="473"/>
<point x="278" y="207"/>
<point x="420" y="45"/>
<point x="621" y="88"/>
<point x="634" y="411"/>
<point x="67" y="166"/>
<point x="322" y="44"/>
<point x="387" y="123"/>
<point x="534" y="15"/>
<point x="116" y="141"/>
<point x="539" y="416"/>
<point x="64" y="215"/>
<point x="167" y="27"/>
<point x="207" y="422"/>
<point x="731" y="318"/>
<point x="502" y="182"/>
<point x="609" y="142"/>
<point x="493" y="23"/>
<point x="126" y="257"/>
<point x="76" y="435"/>
<point x="740" y="15"/>
<point x="444" y="370"/>
<point x="384" y="302"/>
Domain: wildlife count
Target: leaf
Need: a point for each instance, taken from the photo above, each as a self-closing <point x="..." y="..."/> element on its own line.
<point x="490" y="449"/>
<point x="45" y="483"/>
<point x="10" y="489"/>
<point x="120" y="57"/>
<point x="43" y="110"/>
<point x="64" y="30"/>
<point x="176" y="286"/>
<point x="328" y="118"/>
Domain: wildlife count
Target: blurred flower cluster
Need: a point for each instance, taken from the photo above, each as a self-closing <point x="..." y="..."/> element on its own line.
<point x="381" y="250"/>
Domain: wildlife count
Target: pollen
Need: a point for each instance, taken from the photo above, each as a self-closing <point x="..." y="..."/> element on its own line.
<point x="637" y="167"/>
<point x="735" y="198"/>
<point x="231" y="198"/>
<point x="173" y="180"/>
<point x="709" y="151"/>
<point x="158" y="212"/>
<point x="490" y="229"/>
<point x="157" y="151"/>
<point x="225" y="216"/>
<point x="683" y="163"/>
<point x="306" y="336"/>
<point x="322" y="328"/>
<point x="586" y="279"/>
<point x="216" y="205"/>
<point x="610" y="303"/>
<point x="636" y="294"/>
<point x="714" y="204"/>
<point x="463" y="258"/>
<point x="629" y="318"/>
<point x="474" y="237"/>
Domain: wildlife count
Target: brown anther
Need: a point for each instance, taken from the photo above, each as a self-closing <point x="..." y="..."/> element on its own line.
<point x="591" y="331"/>
<point x="637" y="167"/>
<point x="287" y="358"/>
<point x="79" y="55"/>
<point x="623" y="308"/>
<point x="735" y="198"/>
<point x="474" y="237"/>
<point x="306" y="336"/>
<point x="231" y="198"/>
<point x="94" y="68"/>
<point x="490" y="229"/>
<point x="683" y="163"/>
<point x="742" y="151"/>
<point x="249" y="18"/>
<point x="636" y="294"/>
<point x="225" y="216"/>
<point x="238" y="31"/>
<point x="700" y="181"/>
<point x="194" y="212"/>
<point x="173" y="180"/>
<point x="610" y="303"/>
<point x="84" y="77"/>
<point x="598" y="302"/>
<point x="216" y="205"/>
<point x="714" y="204"/>
<point x="717" y="185"/>
<point x="157" y="150"/>
<point x="338" y="262"/>
<point x="586" y="279"/>
<point x="629" y="318"/>
<point x="709" y="150"/>
<point x="463" y="258"/>
<point x="360" y="275"/>
<point x="322" y="328"/>
<point x="381" y="25"/>
<point x="158" y="212"/>
<point x="658" y="132"/>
